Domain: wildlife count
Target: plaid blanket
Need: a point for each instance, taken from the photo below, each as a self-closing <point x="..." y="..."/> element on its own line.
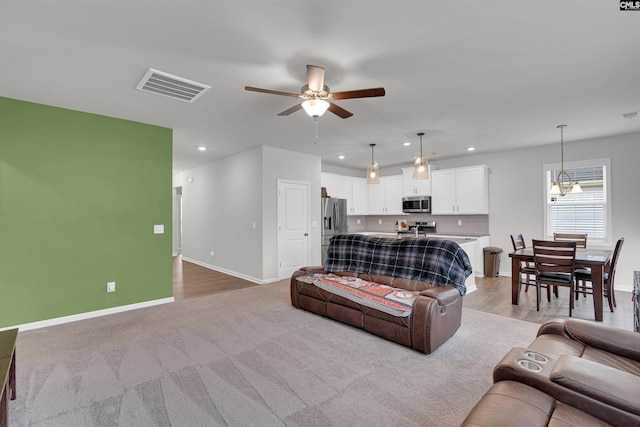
<point x="440" y="262"/>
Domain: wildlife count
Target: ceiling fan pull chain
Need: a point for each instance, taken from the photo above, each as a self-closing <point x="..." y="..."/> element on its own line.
<point x="315" y="120"/>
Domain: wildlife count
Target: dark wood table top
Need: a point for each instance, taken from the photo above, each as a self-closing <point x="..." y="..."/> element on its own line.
<point x="584" y="256"/>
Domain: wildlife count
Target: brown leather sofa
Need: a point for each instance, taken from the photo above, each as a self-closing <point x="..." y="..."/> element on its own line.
<point x="433" y="270"/>
<point x="591" y="368"/>
<point x="510" y="404"/>
<point x="435" y="317"/>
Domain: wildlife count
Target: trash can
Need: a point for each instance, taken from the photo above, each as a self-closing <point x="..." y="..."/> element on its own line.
<point x="491" y="261"/>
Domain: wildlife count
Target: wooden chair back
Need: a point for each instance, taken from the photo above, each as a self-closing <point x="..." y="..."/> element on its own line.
<point x="518" y="241"/>
<point x="614" y="261"/>
<point x="580" y="239"/>
<point x="554" y="257"/>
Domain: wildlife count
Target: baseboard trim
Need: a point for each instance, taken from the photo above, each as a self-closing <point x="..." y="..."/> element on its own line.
<point x="89" y="315"/>
<point x="229" y="272"/>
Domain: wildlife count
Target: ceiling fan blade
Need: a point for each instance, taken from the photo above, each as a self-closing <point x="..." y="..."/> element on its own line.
<point x="360" y="93"/>
<point x="315" y="78"/>
<point x="339" y="111"/>
<point x="291" y="110"/>
<point x="273" y="92"/>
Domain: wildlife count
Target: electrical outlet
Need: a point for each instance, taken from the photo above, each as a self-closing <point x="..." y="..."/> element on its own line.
<point x="212" y="253"/>
<point x="379" y="222"/>
<point x="111" y="286"/>
<point x="459" y="222"/>
<point x="358" y="221"/>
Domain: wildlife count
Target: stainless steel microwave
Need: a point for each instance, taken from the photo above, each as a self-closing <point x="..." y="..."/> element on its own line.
<point x="420" y="204"/>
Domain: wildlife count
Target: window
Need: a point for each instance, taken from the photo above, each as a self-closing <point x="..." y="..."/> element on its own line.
<point x="587" y="212"/>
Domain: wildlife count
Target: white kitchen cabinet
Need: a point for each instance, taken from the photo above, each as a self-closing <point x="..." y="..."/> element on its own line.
<point x="360" y="205"/>
<point x="460" y="191"/>
<point x="415" y="187"/>
<point x="351" y="188"/>
<point x="386" y="198"/>
<point x="331" y="182"/>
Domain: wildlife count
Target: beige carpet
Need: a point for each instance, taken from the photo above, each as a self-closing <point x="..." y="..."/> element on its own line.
<point x="247" y="358"/>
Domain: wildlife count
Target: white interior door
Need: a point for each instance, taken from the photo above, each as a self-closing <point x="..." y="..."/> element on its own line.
<point x="293" y="227"/>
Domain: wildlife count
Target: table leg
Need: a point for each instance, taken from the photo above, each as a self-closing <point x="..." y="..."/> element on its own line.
<point x="597" y="281"/>
<point x="12" y="376"/>
<point x="515" y="281"/>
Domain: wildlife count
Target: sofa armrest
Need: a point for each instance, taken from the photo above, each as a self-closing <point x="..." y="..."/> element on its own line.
<point x="444" y="294"/>
<point x="600" y="382"/>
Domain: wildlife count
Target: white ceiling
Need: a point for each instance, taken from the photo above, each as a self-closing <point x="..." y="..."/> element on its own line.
<point x="493" y="75"/>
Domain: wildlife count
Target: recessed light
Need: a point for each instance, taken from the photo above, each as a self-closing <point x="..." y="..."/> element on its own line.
<point x="406" y="144"/>
<point x="341" y="156"/>
<point x="471" y="148"/>
<point x="201" y="148"/>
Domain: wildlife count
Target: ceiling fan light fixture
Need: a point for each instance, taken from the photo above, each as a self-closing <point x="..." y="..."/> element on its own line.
<point x="373" y="175"/>
<point x="421" y="167"/>
<point x="315" y="107"/>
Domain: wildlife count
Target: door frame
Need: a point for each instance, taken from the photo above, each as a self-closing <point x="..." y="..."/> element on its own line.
<point x="307" y="220"/>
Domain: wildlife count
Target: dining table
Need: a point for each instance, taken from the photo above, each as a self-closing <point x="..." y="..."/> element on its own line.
<point x="597" y="260"/>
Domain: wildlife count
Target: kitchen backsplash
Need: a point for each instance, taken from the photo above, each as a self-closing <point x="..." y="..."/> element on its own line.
<point x="445" y="224"/>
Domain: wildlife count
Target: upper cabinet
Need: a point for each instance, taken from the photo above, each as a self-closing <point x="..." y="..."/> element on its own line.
<point x="386" y="198"/>
<point x="415" y="187"/>
<point x="460" y="191"/>
<point x="352" y="188"/>
<point x="360" y="204"/>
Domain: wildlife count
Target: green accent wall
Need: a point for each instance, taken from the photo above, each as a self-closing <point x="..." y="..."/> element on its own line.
<point x="79" y="196"/>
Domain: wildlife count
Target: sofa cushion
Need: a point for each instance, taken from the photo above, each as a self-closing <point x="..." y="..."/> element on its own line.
<point x="395" y="301"/>
<point x="434" y="261"/>
<point x="509" y="403"/>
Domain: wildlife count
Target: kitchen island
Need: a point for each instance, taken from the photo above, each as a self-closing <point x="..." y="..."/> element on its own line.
<point x="468" y="244"/>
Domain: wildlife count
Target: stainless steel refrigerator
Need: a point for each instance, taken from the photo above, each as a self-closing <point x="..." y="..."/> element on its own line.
<point x="334" y="221"/>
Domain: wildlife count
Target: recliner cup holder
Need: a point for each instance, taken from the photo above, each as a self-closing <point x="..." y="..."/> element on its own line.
<point x="530" y="365"/>
<point x="537" y="357"/>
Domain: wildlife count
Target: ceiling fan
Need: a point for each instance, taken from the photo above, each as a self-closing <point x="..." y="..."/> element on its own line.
<point x="318" y="98"/>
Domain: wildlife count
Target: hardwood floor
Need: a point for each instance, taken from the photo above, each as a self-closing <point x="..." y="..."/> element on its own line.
<point x="192" y="280"/>
<point x="493" y="296"/>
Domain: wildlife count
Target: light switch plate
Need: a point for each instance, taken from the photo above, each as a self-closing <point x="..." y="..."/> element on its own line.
<point x="158" y="229"/>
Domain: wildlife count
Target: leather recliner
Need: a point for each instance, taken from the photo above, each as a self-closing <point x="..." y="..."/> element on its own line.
<point x="590" y="368"/>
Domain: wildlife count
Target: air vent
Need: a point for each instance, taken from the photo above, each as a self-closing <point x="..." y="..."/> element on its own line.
<point x="172" y="86"/>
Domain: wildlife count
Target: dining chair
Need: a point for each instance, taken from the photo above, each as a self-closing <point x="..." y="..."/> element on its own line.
<point x="579" y="238"/>
<point x="584" y="278"/>
<point x="555" y="263"/>
<point x="526" y="268"/>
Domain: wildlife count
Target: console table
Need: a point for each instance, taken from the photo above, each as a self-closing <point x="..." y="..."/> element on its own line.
<point x="7" y="372"/>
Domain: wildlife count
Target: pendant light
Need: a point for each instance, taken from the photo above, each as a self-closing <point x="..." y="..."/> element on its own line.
<point x="373" y="177"/>
<point x="420" y="167"/>
<point x="556" y="187"/>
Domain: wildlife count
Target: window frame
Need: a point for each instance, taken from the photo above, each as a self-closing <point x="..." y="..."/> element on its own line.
<point x="568" y="166"/>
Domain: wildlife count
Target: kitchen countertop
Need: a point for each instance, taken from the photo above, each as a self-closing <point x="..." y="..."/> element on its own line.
<point x="409" y="236"/>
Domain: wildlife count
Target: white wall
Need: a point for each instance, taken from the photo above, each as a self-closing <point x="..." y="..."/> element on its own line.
<point x="516" y="193"/>
<point x="283" y="164"/>
<point x="227" y="196"/>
